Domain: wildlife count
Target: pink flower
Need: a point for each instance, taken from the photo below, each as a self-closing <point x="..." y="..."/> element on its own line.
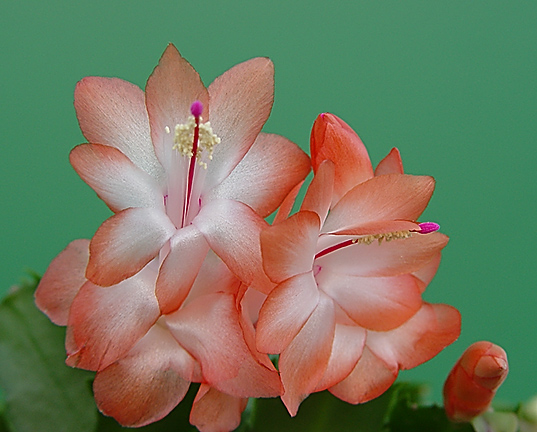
<point x="473" y="381"/>
<point x="347" y="313"/>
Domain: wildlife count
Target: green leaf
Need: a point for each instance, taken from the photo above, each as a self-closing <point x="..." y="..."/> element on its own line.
<point x="41" y="392"/>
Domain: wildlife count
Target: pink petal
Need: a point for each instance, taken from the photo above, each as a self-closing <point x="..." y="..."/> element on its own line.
<point x="214" y="411"/>
<point x="125" y="243"/>
<point x="387" y="197"/>
<point x="240" y="103"/>
<point x="170" y="91"/>
<point x="287" y="204"/>
<point x="387" y="259"/>
<point x="62" y="281"/>
<point x="285" y="311"/>
<point x="180" y="268"/>
<point x="288" y="247"/>
<point x="303" y="363"/>
<point x="391" y="164"/>
<point x="117" y="181"/>
<point x="232" y="230"/>
<point x="347" y="349"/>
<point x="266" y="174"/>
<point x="319" y="195"/>
<point x="425" y="274"/>
<point x="148" y="383"/>
<point x="105" y="323"/>
<point x="369" y="379"/>
<point x="333" y="139"/>
<point x="112" y="112"/>
<point x="434" y="327"/>
<point x="381" y="303"/>
<point x="208" y="327"/>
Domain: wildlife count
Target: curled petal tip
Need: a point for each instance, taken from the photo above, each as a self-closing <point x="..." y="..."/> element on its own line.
<point x="196" y="108"/>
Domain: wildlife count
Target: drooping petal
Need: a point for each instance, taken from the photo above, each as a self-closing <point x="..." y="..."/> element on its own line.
<point x="319" y="194"/>
<point x="180" y="268"/>
<point x="266" y="174"/>
<point x="125" y="243"/>
<point x="288" y="248"/>
<point x="347" y="349"/>
<point x="112" y="112"/>
<point x="387" y="197"/>
<point x="117" y="181"/>
<point x="375" y="303"/>
<point x="303" y="363"/>
<point x="62" y="281"/>
<point x="333" y="139"/>
<point x="170" y="91"/>
<point x="208" y="327"/>
<point x="232" y="230"/>
<point x="369" y="379"/>
<point x="240" y="103"/>
<point x="148" y="383"/>
<point x="287" y="204"/>
<point x="391" y="164"/>
<point x="105" y="323"/>
<point x="214" y="411"/>
<point x="390" y="258"/>
<point x="285" y="311"/>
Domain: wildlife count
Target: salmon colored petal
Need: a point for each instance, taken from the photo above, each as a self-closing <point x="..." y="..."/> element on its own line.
<point x="180" y="268"/>
<point x="266" y="174"/>
<point x="117" y="181"/>
<point x="425" y="275"/>
<point x="347" y="349"/>
<point x="369" y="379"/>
<point x="387" y="197"/>
<point x="214" y="411"/>
<point x="288" y="248"/>
<point x="148" y="383"/>
<point x="125" y="243"/>
<point x="287" y="204"/>
<point x="240" y="103"/>
<point x="208" y="327"/>
<point x="319" y="194"/>
<point x="429" y="331"/>
<point x="285" y="311"/>
<point x="62" y="281"/>
<point x="391" y="164"/>
<point x="232" y="230"/>
<point x="390" y="258"/>
<point x="107" y="322"/>
<point x="333" y="139"/>
<point x="379" y="304"/>
<point x="170" y="91"/>
<point x="112" y="112"/>
<point x="303" y="363"/>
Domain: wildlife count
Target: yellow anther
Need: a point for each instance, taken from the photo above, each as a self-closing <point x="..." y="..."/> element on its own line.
<point x="184" y="140"/>
<point x="395" y="235"/>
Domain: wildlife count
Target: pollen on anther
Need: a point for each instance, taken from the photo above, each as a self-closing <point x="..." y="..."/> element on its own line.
<point x="196" y="109"/>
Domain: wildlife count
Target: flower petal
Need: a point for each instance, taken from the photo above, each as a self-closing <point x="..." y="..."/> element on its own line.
<point x="240" y="103"/>
<point x="117" y="181"/>
<point x="425" y="274"/>
<point x="62" y="281"/>
<point x="266" y="174"/>
<point x="112" y="112"/>
<point x="105" y="323"/>
<point x="285" y="311"/>
<point x="391" y="164"/>
<point x="376" y="303"/>
<point x="232" y="230"/>
<point x="208" y="327"/>
<point x="287" y="204"/>
<point x="333" y="139"/>
<point x="319" y="194"/>
<point x="303" y="363"/>
<point x="180" y="268"/>
<point x="288" y="248"/>
<point x="148" y="383"/>
<point x="386" y="259"/>
<point x="214" y="411"/>
<point x="387" y="197"/>
<point x="125" y="243"/>
<point x="170" y="91"/>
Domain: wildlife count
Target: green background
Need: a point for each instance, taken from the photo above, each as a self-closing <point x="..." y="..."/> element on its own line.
<point x="451" y="84"/>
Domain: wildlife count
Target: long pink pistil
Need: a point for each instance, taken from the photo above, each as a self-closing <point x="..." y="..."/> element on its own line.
<point x="196" y="109"/>
<point x="334" y="248"/>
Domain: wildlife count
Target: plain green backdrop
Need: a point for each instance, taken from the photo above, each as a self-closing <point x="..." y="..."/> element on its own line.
<point x="451" y="84"/>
